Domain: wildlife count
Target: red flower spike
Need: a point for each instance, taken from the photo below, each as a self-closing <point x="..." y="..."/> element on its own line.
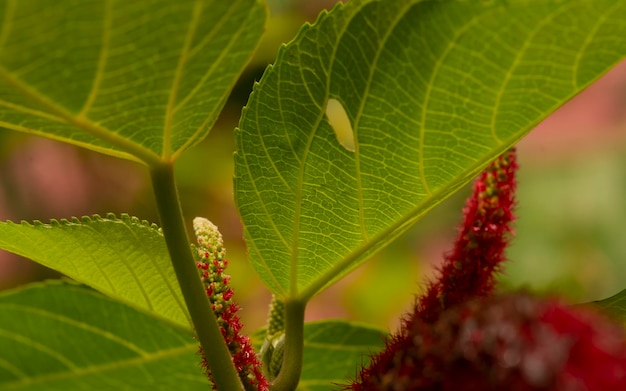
<point x="459" y="338"/>
<point x="468" y="271"/>
<point x="478" y="253"/>
<point x="211" y="253"/>
<point x="514" y="342"/>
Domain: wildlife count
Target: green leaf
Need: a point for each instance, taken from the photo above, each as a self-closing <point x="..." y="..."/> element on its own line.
<point x="614" y="306"/>
<point x="333" y="350"/>
<point x="433" y="90"/>
<point x="124" y="258"/>
<point x="141" y="80"/>
<point x="61" y="336"/>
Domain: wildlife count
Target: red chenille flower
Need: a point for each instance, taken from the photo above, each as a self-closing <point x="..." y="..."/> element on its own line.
<point x="459" y="337"/>
<point x="469" y="270"/>
<point x="515" y="343"/>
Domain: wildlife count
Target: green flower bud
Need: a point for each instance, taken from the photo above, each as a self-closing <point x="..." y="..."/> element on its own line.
<point x="272" y="353"/>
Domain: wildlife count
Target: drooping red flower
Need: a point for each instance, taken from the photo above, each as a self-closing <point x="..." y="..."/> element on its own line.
<point x="211" y="264"/>
<point x="515" y="342"/>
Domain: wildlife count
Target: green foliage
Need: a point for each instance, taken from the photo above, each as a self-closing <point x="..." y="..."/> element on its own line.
<point x="61" y="336"/>
<point x="123" y="258"/>
<point x="434" y="91"/>
<point x="332" y="351"/>
<point x="614" y="305"/>
<point x="139" y="80"/>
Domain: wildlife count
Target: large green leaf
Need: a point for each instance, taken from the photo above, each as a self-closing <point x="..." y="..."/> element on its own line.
<point x="433" y="90"/>
<point x="333" y="352"/>
<point x="123" y="258"/>
<point x="66" y="337"/>
<point x="136" y="79"/>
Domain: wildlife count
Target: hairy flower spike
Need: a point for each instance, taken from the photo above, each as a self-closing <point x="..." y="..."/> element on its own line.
<point x="469" y="270"/>
<point x="211" y="263"/>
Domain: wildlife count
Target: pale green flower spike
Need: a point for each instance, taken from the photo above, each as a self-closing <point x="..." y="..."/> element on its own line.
<point x="272" y="355"/>
<point x="209" y="237"/>
<point x="277" y="317"/>
<point x="212" y="264"/>
<point x="273" y="346"/>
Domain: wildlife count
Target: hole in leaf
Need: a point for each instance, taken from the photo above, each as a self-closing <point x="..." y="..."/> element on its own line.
<point x="339" y="121"/>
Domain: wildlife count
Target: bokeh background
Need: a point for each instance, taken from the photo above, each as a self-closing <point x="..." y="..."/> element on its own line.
<point x="570" y="236"/>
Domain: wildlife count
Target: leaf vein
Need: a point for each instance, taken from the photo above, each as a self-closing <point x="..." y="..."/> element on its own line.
<point x="102" y="59"/>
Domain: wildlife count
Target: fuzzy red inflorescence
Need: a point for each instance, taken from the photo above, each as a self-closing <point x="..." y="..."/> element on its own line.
<point x="211" y="265"/>
<point x="515" y="342"/>
<point x="467" y="272"/>
<point x="460" y="337"/>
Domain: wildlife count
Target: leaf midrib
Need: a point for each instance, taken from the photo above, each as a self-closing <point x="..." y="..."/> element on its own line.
<point x="293" y="273"/>
<point x="133" y="150"/>
<point x="102" y="368"/>
<point x="178" y="74"/>
<point x="77" y="324"/>
<point x="357" y="156"/>
<point x="223" y="54"/>
<point x="395" y="229"/>
<point x="102" y="59"/>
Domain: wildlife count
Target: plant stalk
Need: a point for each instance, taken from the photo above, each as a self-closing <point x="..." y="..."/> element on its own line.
<point x="289" y="376"/>
<point x="202" y="316"/>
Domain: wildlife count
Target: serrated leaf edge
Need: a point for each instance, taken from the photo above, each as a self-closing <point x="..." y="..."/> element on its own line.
<point x="85" y="220"/>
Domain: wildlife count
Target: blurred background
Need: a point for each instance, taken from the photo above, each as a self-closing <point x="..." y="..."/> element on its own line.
<point x="570" y="237"/>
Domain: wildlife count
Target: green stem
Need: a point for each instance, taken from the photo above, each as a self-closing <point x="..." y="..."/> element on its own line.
<point x="204" y="320"/>
<point x="289" y="376"/>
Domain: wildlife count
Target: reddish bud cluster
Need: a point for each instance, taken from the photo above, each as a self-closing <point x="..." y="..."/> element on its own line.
<point x="211" y="265"/>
